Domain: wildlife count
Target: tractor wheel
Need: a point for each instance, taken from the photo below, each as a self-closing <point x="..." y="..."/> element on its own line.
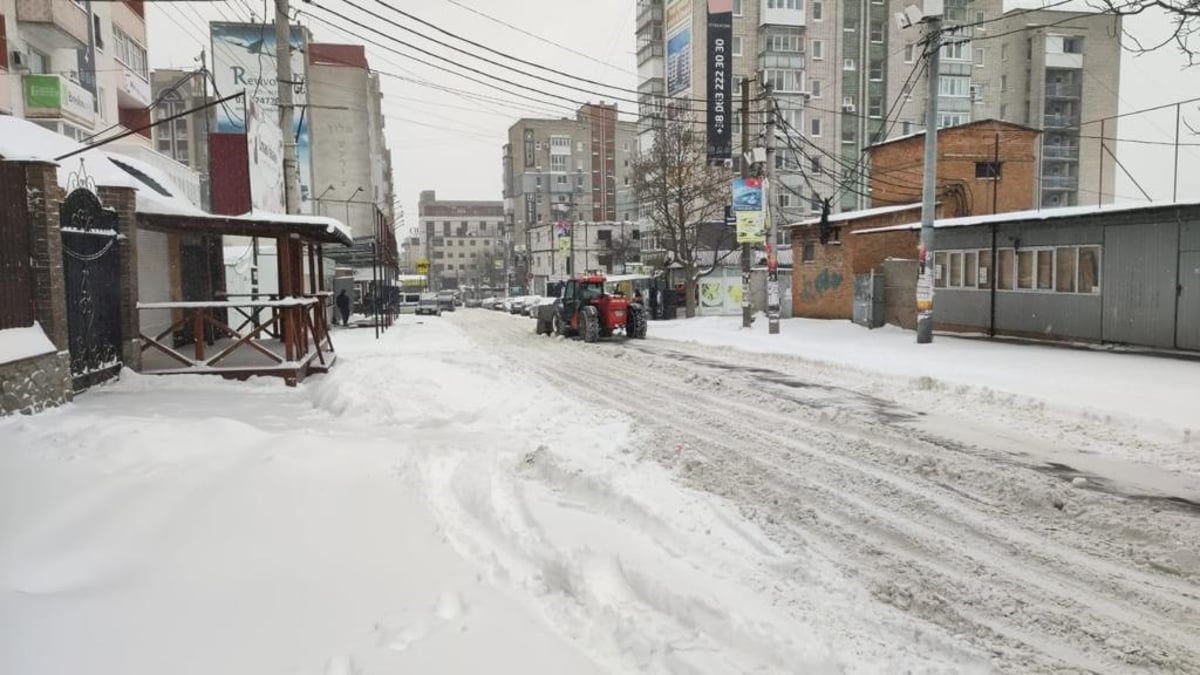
<point x="591" y="324"/>
<point x="558" y="325"/>
<point x="637" y="325"/>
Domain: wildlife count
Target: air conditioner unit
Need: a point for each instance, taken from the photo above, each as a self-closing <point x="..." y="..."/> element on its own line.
<point x="848" y="106"/>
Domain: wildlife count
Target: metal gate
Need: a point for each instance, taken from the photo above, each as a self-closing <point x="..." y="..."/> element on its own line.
<point x="91" y="274"/>
<point x="1187" y="328"/>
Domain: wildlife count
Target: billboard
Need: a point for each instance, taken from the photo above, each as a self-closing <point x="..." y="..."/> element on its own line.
<point x="679" y="46"/>
<point x="244" y="60"/>
<point x="720" y="79"/>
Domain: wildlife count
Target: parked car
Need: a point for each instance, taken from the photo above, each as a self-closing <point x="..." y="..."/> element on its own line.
<point x="529" y="307"/>
<point x="498" y="303"/>
<point x="516" y="304"/>
<point x="445" y="301"/>
<point x="428" y="304"/>
<point x="472" y="302"/>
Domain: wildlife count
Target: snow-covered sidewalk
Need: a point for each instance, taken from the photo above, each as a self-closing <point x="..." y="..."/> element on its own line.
<point x="1150" y="389"/>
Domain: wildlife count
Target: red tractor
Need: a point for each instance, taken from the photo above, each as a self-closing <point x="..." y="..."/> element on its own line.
<point x="585" y="310"/>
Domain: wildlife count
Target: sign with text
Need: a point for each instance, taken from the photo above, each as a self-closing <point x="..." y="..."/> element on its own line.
<point x="748" y="210"/>
<point x="720" y="80"/>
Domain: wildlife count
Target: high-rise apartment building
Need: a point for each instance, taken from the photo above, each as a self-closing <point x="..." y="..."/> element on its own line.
<point x="577" y="170"/>
<point x="846" y="76"/>
<point x="1056" y="71"/>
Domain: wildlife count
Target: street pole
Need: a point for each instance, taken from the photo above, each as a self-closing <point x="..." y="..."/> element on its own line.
<point x="1175" y="175"/>
<point x="747" y="311"/>
<point x="283" y="70"/>
<point x="929" y="191"/>
<point x="772" y="254"/>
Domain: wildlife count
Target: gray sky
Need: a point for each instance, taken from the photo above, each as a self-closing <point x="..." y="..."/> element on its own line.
<point x="446" y="142"/>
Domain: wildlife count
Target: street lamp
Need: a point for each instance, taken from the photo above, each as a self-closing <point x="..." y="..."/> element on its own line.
<point x="352" y="196"/>
<point x="323" y="193"/>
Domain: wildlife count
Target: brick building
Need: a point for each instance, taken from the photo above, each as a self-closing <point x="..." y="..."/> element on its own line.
<point x="823" y="274"/>
<point x="983" y="167"/>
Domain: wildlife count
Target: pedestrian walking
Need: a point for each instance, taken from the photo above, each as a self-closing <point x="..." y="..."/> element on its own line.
<point x="343" y="305"/>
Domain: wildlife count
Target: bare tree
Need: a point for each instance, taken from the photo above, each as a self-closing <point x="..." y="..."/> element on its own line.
<point x="1183" y="15"/>
<point x="681" y="192"/>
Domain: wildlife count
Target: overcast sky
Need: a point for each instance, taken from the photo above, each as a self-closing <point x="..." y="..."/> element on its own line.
<point x="451" y="143"/>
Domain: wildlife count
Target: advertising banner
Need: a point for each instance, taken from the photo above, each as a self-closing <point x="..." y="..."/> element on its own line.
<point x="720" y="80"/>
<point x="244" y="60"/>
<point x="679" y="47"/>
<point x="748" y="208"/>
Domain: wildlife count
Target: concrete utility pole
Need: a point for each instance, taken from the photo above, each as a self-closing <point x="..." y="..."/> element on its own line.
<point x="772" y="238"/>
<point x="747" y="311"/>
<point x="287" y="111"/>
<point x="925" y="280"/>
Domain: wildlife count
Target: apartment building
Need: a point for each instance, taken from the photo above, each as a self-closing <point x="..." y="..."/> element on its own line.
<point x="464" y="242"/>
<point x="1057" y="71"/>
<point x="75" y="67"/>
<point x="577" y="170"/>
<point x="350" y="166"/>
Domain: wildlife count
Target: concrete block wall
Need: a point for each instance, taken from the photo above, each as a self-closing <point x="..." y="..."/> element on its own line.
<point x="31" y="385"/>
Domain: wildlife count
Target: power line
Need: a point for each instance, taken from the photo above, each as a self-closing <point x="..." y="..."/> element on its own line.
<point x="144" y="127"/>
<point x="535" y="36"/>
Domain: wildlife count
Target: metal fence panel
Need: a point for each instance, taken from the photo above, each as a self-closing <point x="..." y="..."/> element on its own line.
<point x="1138" y="269"/>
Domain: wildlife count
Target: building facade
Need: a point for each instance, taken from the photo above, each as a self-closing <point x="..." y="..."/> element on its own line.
<point x="575" y="170"/>
<point x="607" y="247"/>
<point x="1052" y="70"/>
<point x="184" y="140"/>
<point x="463" y="241"/>
<point x="76" y="68"/>
<point x="351" y="175"/>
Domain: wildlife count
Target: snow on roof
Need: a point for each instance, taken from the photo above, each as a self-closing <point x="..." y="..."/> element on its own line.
<point x="1043" y="214"/>
<point x="25" y="141"/>
<point x="921" y="132"/>
<point x="23" y="343"/>
<point x="855" y="215"/>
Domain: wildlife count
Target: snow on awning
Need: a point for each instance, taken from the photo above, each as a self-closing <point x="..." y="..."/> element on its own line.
<point x="158" y="204"/>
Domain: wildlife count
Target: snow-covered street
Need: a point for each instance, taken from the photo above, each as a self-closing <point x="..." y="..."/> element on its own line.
<point x="465" y="496"/>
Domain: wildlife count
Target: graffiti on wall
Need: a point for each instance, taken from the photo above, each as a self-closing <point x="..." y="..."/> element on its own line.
<point x="825" y="281"/>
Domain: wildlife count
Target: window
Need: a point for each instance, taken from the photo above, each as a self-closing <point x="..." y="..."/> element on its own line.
<point x="815" y="127"/>
<point x="561" y="179"/>
<point x="785" y="199"/>
<point x="815" y="166"/>
<point x="785" y="79"/>
<point x="1045" y="270"/>
<point x="1025" y="269"/>
<point x="877" y="32"/>
<point x="970" y="269"/>
<point x="951" y="119"/>
<point x="560" y="145"/>
<point x="38" y="61"/>
<point x="1004" y="269"/>
<point x="1073" y="45"/>
<point x="1003" y="52"/>
<point x="737" y="45"/>
<point x="129" y="52"/>
<point x="851" y="25"/>
<point x="939" y="268"/>
<point x="1089" y="269"/>
<point x="957" y="50"/>
<point x="979" y="57"/>
<point x="99" y="34"/>
<point x="848" y="64"/>
<point x="954" y="85"/>
<point x="817" y="50"/>
<point x="814" y="88"/>
<point x="875" y="106"/>
<point x="908" y="53"/>
<point x="737" y="7"/>
<point x="987" y="170"/>
<point x="876" y="72"/>
<point x="558" y="164"/>
<point x="810" y="252"/>
<point x="785" y="4"/>
<point x="784" y="42"/>
<point x="816" y="10"/>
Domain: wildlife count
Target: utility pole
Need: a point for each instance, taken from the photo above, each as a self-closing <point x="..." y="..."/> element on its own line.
<point x="933" y="32"/>
<point x="747" y="312"/>
<point x="287" y="111"/>
<point x="772" y="238"/>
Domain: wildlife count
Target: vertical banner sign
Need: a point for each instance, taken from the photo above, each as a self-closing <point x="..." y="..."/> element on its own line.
<point x="748" y="210"/>
<point x="679" y="46"/>
<point x="720" y="79"/>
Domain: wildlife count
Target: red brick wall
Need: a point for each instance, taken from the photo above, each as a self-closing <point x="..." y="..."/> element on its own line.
<point x="896" y="169"/>
<point x="124" y="201"/>
<point x="46" y="257"/>
<point x="824" y="287"/>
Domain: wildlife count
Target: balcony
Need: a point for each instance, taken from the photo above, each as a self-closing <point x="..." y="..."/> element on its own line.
<point x="1063" y="90"/>
<point x="648" y="11"/>
<point x="54" y="96"/>
<point x="773" y="16"/>
<point x="649" y="50"/>
<point x="1060" y="121"/>
<point x="1067" y="183"/>
<point x="134" y="90"/>
<point x="56" y="24"/>
<point x="1060" y="152"/>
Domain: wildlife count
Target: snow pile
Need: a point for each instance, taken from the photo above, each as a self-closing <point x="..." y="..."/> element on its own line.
<point x="23" y="343"/>
<point x="1151" y="389"/>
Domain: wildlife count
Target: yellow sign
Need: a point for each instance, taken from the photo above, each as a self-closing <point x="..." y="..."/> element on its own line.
<point x="423" y="266"/>
<point x="750" y="228"/>
<point x="564" y="245"/>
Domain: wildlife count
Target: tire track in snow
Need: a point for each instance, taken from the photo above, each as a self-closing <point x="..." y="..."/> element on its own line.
<point x="1068" y="591"/>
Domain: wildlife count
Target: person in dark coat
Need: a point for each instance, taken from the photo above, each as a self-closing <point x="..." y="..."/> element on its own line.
<point x="343" y="305"/>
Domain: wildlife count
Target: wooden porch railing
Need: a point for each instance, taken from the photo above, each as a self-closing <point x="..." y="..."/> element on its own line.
<point x="292" y="333"/>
